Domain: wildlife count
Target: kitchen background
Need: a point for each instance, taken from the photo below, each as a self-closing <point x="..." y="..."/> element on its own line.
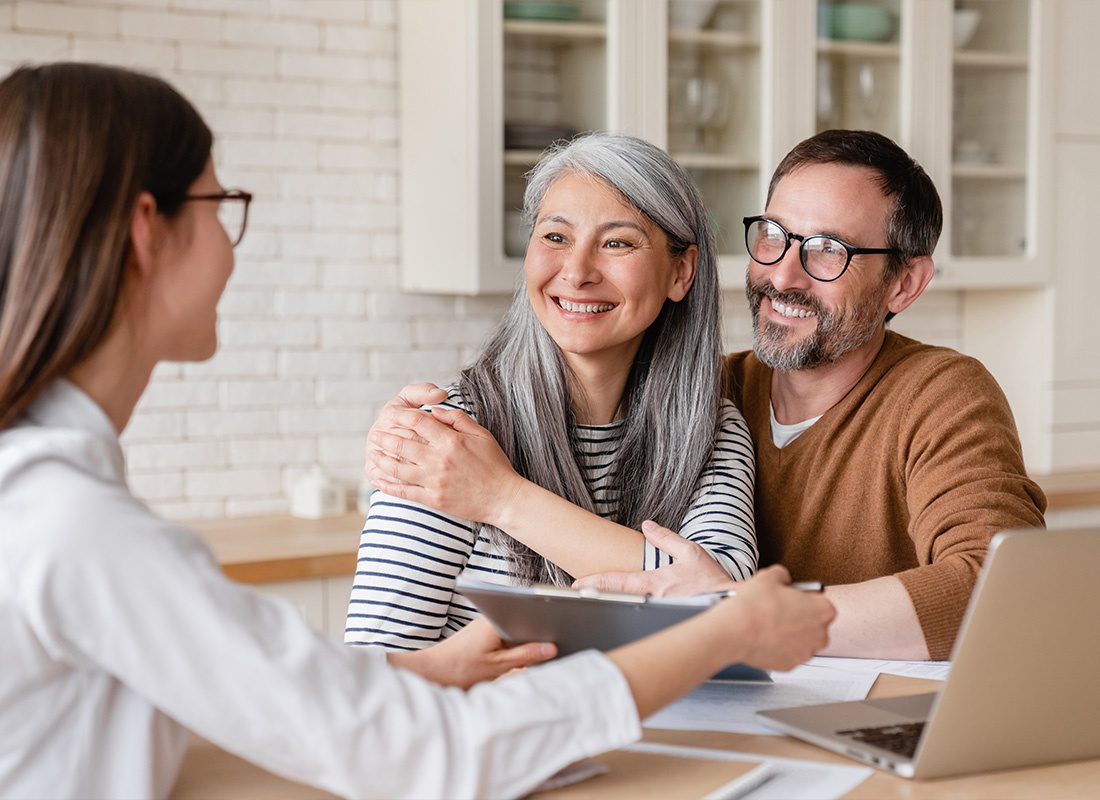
<point x="303" y="97"/>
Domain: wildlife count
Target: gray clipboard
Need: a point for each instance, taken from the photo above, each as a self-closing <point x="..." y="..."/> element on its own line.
<point x="584" y="619"/>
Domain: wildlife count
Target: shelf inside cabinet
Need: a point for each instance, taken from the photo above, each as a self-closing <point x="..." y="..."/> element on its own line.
<point x="836" y="47"/>
<point x="521" y="158"/>
<point x="714" y="161"/>
<point x="566" y="33"/>
<point x="989" y="58"/>
<point x="988" y="171"/>
<point x="713" y="40"/>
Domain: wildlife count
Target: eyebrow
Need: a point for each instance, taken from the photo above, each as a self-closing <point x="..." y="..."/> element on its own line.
<point x="611" y="225"/>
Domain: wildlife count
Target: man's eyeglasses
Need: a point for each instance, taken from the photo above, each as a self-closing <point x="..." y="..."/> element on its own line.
<point x="824" y="258"/>
<point x="232" y="211"/>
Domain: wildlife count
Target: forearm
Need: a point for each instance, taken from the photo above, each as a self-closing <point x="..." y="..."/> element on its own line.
<point x="875" y="619"/>
<point x="662" y="668"/>
<point x="578" y="541"/>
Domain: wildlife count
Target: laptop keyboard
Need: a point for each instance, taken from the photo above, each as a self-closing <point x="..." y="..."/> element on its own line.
<point x="901" y="739"/>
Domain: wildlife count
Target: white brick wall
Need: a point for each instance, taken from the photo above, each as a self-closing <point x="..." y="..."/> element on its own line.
<point x="302" y="95"/>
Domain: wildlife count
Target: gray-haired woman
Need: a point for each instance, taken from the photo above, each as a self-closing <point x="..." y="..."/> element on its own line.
<point x="599" y="406"/>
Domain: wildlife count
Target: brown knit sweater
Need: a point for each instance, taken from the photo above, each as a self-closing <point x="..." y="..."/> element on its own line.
<point x="910" y="474"/>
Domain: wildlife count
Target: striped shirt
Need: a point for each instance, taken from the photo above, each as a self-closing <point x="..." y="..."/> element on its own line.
<point x="410" y="556"/>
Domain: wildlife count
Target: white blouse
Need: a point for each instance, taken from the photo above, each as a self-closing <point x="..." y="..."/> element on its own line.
<point x="120" y="633"/>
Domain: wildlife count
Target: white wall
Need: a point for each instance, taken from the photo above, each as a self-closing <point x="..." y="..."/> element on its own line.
<point x="302" y="96"/>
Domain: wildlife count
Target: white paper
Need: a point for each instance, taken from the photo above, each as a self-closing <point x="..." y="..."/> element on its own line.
<point x="935" y="670"/>
<point x="793" y="778"/>
<point x="730" y="706"/>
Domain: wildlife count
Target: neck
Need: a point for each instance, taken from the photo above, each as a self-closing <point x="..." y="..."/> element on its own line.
<point x="803" y="394"/>
<point x="602" y="386"/>
<point x="114" y="376"/>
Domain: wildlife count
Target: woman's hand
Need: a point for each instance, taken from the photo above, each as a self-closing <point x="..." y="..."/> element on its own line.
<point x="692" y="570"/>
<point x="474" y="654"/>
<point x="443" y="460"/>
<point x="772" y="625"/>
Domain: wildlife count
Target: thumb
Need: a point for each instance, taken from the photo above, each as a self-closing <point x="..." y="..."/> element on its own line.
<point x="459" y="420"/>
<point x="524" y="655"/>
<point x="669" y="542"/>
<point x="416" y="395"/>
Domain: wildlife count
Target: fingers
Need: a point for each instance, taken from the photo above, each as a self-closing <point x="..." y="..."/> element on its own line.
<point x="776" y="573"/>
<point x="421" y="423"/>
<point x="671" y="543"/>
<point x="400" y="447"/>
<point x="457" y="419"/>
<point x="525" y="655"/>
<point x="392" y="469"/>
<point x="626" y="582"/>
<point x="416" y="395"/>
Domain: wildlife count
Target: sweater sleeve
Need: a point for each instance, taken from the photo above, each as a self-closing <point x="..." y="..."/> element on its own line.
<point x="965" y="480"/>
<point x="720" y="518"/>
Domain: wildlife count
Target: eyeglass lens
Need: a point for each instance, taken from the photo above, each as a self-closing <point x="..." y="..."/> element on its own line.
<point x="231" y="212"/>
<point x="824" y="258"/>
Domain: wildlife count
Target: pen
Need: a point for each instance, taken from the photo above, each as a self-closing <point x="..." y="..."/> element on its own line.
<point x="802" y="586"/>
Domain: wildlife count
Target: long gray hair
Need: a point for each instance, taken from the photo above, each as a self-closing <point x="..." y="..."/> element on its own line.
<point x="522" y="391"/>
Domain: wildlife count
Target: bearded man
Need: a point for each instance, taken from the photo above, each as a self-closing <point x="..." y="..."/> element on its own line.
<point x="884" y="466"/>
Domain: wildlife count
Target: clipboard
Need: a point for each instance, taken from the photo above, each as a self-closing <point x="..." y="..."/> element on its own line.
<point x="586" y="619"/>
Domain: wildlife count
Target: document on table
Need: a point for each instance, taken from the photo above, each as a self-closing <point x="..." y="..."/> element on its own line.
<point x="787" y="779"/>
<point x="731" y="707"/>
<point x="935" y="670"/>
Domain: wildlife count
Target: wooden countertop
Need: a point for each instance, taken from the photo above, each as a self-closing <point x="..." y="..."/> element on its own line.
<point x="283" y="548"/>
<point x="210" y="772"/>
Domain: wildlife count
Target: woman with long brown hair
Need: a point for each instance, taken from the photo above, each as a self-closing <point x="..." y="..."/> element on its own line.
<point x="120" y="632"/>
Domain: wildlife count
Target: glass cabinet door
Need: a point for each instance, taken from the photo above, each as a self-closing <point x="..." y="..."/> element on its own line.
<point x="990" y="128"/>
<point x="555" y="86"/>
<point x="714" y="107"/>
<point x="858" y="64"/>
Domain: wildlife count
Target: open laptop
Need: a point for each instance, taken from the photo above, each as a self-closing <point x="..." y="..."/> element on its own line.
<point x="1024" y="686"/>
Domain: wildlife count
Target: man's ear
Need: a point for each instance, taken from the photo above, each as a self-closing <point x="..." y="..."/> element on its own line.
<point x="910" y="283"/>
<point x="685" y="274"/>
<point x="144" y="228"/>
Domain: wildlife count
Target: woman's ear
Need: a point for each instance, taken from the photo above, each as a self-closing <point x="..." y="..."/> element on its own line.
<point x="685" y="274"/>
<point x="145" y="226"/>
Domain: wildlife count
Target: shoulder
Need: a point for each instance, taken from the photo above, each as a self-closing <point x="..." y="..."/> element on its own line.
<point x="932" y="375"/>
<point x="455" y="399"/>
<point x="731" y="422"/>
<point x="58" y="517"/>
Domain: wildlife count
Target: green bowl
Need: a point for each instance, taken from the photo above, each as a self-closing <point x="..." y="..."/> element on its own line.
<point x="861" y="22"/>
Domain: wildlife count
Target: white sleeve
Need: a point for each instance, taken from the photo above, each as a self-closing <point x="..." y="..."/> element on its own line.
<point x="116" y="589"/>
<point x="720" y="518"/>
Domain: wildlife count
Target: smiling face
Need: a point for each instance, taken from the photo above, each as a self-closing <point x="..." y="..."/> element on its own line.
<point x="801" y="323"/>
<point x="598" y="272"/>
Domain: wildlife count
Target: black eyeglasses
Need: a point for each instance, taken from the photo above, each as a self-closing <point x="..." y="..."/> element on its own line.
<point x="232" y="211"/>
<point x="824" y="258"/>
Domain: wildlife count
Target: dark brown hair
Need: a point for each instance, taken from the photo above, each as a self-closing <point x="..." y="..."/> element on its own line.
<point x="916" y="219"/>
<point x="78" y="144"/>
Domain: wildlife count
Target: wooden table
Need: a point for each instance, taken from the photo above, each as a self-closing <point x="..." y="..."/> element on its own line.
<point x="211" y="773"/>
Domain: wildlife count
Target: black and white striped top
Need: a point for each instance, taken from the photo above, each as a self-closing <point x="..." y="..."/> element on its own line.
<point x="410" y="555"/>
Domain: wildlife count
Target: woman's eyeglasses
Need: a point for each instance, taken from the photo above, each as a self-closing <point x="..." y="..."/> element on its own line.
<point x="232" y="211"/>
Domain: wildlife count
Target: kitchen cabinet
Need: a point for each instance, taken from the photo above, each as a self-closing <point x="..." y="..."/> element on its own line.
<point x="727" y="86"/>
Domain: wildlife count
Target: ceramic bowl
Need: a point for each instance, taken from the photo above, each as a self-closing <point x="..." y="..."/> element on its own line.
<point x="966" y="23"/>
<point x="861" y="21"/>
<point x="690" y="15"/>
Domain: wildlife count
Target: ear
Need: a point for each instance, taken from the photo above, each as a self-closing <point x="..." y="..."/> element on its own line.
<point x="685" y="274"/>
<point x="144" y="231"/>
<point x="910" y="284"/>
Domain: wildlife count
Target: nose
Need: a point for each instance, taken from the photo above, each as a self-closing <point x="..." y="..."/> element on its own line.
<point x="579" y="267"/>
<point x="788" y="273"/>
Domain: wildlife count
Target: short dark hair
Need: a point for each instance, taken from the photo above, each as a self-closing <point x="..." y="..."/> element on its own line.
<point x="914" y="224"/>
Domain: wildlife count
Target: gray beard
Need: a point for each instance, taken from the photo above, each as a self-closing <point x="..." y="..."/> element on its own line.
<point x="835" y="336"/>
